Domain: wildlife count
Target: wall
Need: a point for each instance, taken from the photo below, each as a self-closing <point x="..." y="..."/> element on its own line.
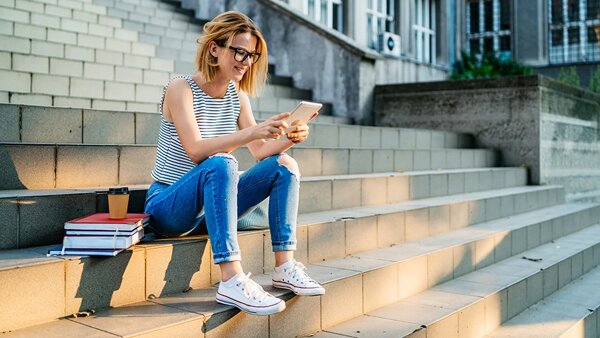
<point x="534" y="121"/>
<point x="332" y="65"/>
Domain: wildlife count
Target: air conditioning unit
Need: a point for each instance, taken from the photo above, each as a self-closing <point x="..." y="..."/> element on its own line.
<point x="389" y="44"/>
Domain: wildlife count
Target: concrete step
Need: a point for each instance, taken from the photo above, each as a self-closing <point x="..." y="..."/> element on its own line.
<point x="73" y="125"/>
<point x="572" y="311"/>
<point x="69" y="165"/>
<point x="362" y="282"/>
<point x="478" y="302"/>
<point x="36" y="217"/>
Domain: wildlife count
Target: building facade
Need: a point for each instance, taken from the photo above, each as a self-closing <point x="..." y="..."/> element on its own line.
<point x="545" y="34"/>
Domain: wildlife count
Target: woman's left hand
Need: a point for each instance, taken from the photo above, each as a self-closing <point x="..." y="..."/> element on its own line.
<point x="299" y="133"/>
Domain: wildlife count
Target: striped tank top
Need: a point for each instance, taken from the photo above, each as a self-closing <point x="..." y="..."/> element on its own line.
<point x="214" y="116"/>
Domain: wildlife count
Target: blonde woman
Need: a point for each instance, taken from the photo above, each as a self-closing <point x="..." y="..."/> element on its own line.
<point x="204" y="117"/>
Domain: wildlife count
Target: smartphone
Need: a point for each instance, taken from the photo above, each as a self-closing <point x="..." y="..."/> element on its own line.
<point x="305" y="112"/>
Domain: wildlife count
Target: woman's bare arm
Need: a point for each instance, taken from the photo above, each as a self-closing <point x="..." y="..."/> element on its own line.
<point x="178" y="108"/>
<point x="261" y="148"/>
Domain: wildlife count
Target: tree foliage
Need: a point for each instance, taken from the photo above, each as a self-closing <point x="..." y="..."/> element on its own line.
<point x="472" y="66"/>
<point x="569" y="76"/>
<point x="594" y="85"/>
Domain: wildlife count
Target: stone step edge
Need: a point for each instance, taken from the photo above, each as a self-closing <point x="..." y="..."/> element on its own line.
<point x="478" y="301"/>
<point x="579" y="318"/>
<point x="305" y="220"/>
<point x="360" y="127"/>
<point x="16" y="193"/>
<point x="265" y="281"/>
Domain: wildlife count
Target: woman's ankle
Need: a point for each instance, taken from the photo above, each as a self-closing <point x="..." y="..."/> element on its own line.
<point x="230" y="269"/>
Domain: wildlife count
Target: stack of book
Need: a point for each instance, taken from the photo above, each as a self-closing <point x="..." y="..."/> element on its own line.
<point x="99" y="235"/>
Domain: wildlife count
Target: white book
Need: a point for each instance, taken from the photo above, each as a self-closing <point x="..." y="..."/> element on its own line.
<point x="102" y="232"/>
<point x="60" y="251"/>
<point x="102" y="242"/>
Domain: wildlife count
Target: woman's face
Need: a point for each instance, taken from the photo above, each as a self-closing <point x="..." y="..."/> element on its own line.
<point x="229" y="66"/>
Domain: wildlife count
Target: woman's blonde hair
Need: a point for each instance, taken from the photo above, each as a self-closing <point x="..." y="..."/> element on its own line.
<point x="221" y="30"/>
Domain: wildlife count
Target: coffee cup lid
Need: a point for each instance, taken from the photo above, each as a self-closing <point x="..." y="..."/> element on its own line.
<point x="118" y="191"/>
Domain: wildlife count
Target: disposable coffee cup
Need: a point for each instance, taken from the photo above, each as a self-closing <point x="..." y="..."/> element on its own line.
<point x="118" y="201"/>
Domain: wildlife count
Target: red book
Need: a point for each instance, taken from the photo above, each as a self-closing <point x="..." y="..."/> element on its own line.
<point x="101" y="221"/>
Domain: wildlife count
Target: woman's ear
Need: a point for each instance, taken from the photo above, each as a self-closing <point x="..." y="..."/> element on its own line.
<point x="213" y="49"/>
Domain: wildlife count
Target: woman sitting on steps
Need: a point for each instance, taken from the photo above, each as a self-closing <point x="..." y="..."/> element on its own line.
<point x="195" y="171"/>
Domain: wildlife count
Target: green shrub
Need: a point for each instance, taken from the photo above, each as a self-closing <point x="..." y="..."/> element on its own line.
<point x="569" y="76"/>
<point x="595" y="82"/>
<point x="472" y="66"/>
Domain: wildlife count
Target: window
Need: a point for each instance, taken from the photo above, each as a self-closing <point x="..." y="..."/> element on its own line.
<point x="488" y="27"/>
<point x="424" y="30"/>
<point x="574" y="30"/>
<point x="380" y="18"/>
<point x="328" y="12"/>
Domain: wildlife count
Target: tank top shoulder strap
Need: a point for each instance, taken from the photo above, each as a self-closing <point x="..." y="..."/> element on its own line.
<point x="190" y="82"/>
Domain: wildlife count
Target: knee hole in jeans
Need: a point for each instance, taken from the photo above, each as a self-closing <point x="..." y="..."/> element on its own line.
<point x="289" y="162"/>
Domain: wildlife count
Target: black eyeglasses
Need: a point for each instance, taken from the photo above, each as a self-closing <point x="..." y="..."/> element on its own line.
<point x="240" y="55"/>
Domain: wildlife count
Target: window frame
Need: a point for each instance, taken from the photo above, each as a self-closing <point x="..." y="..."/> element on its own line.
<point x="582" y="51"/>
<point x="381" y="15"/>
<point x="328" y="17"/>
<point x="424" y="31"/>
<point x="496" y="33"/>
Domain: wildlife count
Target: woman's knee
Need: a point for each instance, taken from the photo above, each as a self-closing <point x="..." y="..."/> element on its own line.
<point x="290" y="163"/>
<point x="222" y="162"/>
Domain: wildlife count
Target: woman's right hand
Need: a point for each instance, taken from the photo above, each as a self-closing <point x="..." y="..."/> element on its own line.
<point x="272" y="128"/>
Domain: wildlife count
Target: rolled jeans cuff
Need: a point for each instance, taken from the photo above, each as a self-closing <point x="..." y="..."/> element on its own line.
<point x="223" y="257"/>
<point x="284" y="246"/>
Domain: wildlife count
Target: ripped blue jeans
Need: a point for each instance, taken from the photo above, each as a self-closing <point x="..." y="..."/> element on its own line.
<point x="214" y="194"/>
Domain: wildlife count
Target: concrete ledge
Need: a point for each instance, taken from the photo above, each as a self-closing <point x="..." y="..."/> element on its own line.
<point x="528" y="118"/>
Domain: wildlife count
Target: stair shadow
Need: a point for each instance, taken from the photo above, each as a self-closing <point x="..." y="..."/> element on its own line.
<point x="8" y="172"/>
<point x="98" y="289"/>
<point x="187" y="266"/>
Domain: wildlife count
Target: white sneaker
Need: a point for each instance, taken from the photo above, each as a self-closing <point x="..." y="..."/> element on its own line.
<point x="247" y="295"/>
<point x="292" y="276"/>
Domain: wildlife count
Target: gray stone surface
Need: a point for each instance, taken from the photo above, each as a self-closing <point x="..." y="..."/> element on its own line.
<point x="534" y="121"/>
<point x="51" y="125"/>
<point x="41" y="219"/>
<point x="135" y="164"/>
<point x="89" y="286"/>
<point x="37" y="291"/>
<point x="9" y="128"/>
<point x="173" y="266"/>
<point x="86" y="166"/>
<point x="16" y="171"/>
<point x="108" y="127"/>
<point x="146" y="128"/>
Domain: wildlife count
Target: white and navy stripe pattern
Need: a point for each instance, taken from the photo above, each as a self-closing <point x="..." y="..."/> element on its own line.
<point x="214" y="116"/>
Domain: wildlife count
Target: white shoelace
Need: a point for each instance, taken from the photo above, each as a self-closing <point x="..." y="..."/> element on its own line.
<point x="298" y="273"/>
<point x="251" y="288"/>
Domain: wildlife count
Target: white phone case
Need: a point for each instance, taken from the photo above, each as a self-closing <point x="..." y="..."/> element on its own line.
<point x="305" y="111"/>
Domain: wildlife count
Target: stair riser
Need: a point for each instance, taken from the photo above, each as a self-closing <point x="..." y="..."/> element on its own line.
<point x="93" y="279"/>
<point x="27" y="218"/>
<point x="365" y="291"/>
<point x="71" y="125"/>
<point x="66" y="166"/>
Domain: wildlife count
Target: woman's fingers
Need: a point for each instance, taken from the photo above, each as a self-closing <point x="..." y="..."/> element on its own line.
<point x="280" y="116"/>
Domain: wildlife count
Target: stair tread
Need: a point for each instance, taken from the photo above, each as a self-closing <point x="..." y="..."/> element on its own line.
<point x="363" y="261"/>
<point x="423" y="309"/>
<point x="200" y="305"/>
<point x="23" y="193"/>
<point x="556" y="314"/>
